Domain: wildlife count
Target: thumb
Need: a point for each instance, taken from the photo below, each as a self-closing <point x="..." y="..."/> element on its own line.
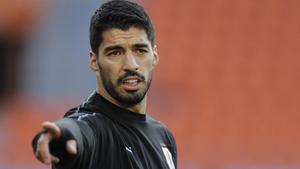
<point x="71" y="147"/>
<point x="52" y="128"/>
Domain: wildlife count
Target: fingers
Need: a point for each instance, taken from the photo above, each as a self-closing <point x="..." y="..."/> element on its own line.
<point x="54" y="160"/>
<point x="71" y="147"/>
<point x="42" y="152"/>
<point x="52" y="131"/>
<point x="52" y="128"/>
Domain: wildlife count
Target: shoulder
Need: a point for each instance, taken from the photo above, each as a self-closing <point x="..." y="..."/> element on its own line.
<point x="82" y="114"/>
<point x="161" y="127"/>
<point x="155" y="123"/>
<point x="95" y="120"/>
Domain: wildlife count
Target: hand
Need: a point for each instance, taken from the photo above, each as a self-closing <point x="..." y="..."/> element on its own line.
<point x="42" y="150"/>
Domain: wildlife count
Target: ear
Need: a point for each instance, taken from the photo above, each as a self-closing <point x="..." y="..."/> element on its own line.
<point x="93" y="61"/>
<point x="156" y="57"/>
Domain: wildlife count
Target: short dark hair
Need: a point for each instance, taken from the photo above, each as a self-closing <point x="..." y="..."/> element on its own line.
<point x="119" y="14"/>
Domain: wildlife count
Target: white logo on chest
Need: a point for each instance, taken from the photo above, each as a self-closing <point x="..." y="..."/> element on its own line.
<point x="128" y="149"/>
<point x="168" y="156"/>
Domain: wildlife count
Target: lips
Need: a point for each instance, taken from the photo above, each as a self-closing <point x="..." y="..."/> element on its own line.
<point x="131" y="83"/>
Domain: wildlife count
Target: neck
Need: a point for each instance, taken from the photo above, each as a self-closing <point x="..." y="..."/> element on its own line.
<point x="139" y="108"/>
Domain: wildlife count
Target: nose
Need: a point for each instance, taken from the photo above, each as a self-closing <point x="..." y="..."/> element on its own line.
<point x="130" y="63"/>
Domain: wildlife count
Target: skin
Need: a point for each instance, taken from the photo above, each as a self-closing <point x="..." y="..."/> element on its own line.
<point x="120" y="52"/>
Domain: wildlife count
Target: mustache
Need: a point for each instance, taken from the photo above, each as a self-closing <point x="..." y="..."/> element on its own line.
<point x="130" y="73"/>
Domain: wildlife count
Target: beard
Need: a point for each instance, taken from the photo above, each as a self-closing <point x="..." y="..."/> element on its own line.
<point x="129" y="98"/>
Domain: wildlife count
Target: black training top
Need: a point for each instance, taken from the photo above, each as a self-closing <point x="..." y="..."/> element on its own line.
<point x="109" y="137"/>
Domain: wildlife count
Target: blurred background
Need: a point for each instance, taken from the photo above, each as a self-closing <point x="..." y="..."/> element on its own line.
<point x="227" y="85"/>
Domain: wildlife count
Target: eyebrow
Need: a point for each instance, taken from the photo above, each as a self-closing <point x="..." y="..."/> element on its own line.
<point x="141" y="45"/>
<point x="118" y="47"/>
<point x="110" y="48"/>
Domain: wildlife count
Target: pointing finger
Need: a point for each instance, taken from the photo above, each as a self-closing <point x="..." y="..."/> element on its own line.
<point x="42" y="152"/>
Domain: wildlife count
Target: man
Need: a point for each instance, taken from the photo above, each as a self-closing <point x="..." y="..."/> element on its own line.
<point x="111" y="130"/>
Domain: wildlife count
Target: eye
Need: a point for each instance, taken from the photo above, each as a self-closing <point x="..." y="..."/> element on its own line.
<point x="141" y="51"/>
<point x="114" y="53"/>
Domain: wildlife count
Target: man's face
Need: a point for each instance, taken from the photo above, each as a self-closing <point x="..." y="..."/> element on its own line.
<point x="125" y="61"/>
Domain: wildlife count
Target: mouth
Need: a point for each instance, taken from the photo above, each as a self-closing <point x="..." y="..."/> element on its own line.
<point x="131" y="83"/>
